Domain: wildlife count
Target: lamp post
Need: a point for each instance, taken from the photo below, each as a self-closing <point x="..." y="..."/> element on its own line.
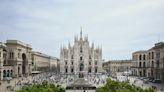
<point x="127" y="73"/>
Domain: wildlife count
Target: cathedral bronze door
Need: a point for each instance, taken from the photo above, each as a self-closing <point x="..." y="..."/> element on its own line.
<point x="81" y="67"/>
<point x="81" y="75"/>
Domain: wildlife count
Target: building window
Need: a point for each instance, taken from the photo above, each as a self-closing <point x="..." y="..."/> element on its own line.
<point x="72" y="70"/>
<point x="81" y="49"/>
<point x="149" y="55"/>
<point x="4" y="73"/>
<point x="89" y="70"/>
<point x="72" y="57"/>
<point x="157" y="63"/>
<point x="140" y="57"/>
<point x="144" y="57"/>
<point x="140" y="73"/>
<point x="32" y="63"/>
<point x="89" y="62"/>
<point x="66" y="70"/>
<point x="143" y="64"/>
<point x="4" y="55"/>
<point x="152" y="63"/>
<point x="158" y="55"/>
<point x="8" y="73"/>
<point x="96" y="70"/>
<point x="4" y="62"/>
<point x="136" y="57"/>
<point x="18" y="55"/>
<point x="95" y="62"/>
<point x="90" y="57"/>
<point x="0" y="54"/>
<point x="11" y="55"/>
<point x="152" y="73"/>
<point x="152" y="55"/>
<point x="81" y="58"/>
<point x="72" y="62"/>
<point x="11" y="73"/>
<point x="65" y="62"/>
<point x="140" y="64"/>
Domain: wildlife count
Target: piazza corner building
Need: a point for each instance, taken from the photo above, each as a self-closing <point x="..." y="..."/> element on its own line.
<point x="17" y="60"/>
<point x="81" y="58"/>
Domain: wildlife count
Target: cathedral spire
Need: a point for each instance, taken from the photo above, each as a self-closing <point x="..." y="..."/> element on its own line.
<point x="69" y="45"/>
<point x="61" y="51"/>
<point x="93" y="45"/>
<point x="81" y="34"/>
<point x="86" y="38"/>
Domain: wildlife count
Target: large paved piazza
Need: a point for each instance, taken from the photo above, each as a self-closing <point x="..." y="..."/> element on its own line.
<point x="62" y="79"/>
<point x="66" y="79"/>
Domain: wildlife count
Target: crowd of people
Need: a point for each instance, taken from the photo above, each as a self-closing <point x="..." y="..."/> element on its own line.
<point x="62" y="79"/>
<point x="96" y="79"/>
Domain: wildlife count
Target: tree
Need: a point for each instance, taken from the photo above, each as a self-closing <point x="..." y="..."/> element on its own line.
<point x="116" y="86"/>
<point x="42" y="87"/>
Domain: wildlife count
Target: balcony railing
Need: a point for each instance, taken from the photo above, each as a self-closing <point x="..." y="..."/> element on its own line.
<point x="139" y="67"/>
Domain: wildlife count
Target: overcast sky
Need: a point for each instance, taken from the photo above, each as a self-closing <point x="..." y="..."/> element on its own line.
<point x="120" y="27"/>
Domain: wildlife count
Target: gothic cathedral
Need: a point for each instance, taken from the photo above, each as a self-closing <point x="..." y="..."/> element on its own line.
<point x="80" y="57"/>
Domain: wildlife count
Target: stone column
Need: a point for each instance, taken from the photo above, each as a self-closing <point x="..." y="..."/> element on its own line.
<point x="15" y="71"/>
<point x="20" y="70"/>
<point x="1" y="64"/>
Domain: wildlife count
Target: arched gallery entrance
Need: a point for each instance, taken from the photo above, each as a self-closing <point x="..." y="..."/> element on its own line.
<point x="23" y="63"/>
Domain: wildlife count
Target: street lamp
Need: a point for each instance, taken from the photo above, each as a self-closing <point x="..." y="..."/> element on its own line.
<point x="127" y="73"/>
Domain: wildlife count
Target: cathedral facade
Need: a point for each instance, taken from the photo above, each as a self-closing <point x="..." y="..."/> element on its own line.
<point x="81" y="57"/>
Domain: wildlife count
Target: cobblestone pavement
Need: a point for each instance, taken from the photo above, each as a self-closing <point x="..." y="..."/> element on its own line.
<point x="4" y="84"/>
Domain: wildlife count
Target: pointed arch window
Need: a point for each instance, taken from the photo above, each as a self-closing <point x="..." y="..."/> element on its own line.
<point x="95" y="62"/>
<point x="72" y="57"/>
<point x="81" y="49"/>
<point x="65" y="62"/>
<point x="90" y="57"/>
<point x="72" y="62"/>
